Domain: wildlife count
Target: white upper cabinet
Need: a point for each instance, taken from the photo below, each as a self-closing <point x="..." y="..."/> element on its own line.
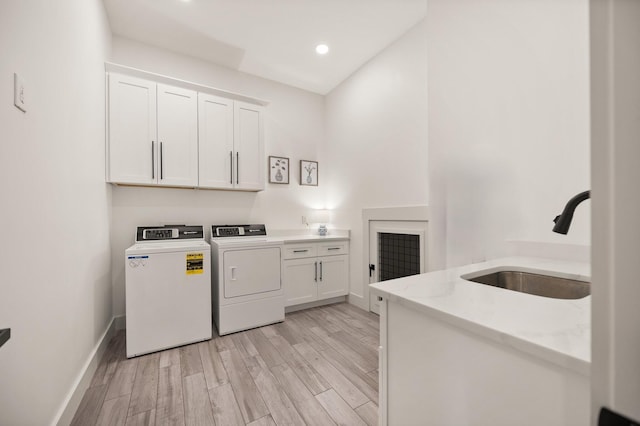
<point x="153" y="133"/>
<point x="132" y="149"/>
<point x="231" y="145"/>
<point x="249" y="170"/>
<point x="178" y="136"/>
<point x="215" y="130"/>
<point x="160" y="134"/>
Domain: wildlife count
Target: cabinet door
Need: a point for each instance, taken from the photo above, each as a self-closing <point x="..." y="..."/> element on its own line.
<point x="333" y="276"/>
<point x="299" y="281"/>
<point x="248" y="144"/>
<point x="178" y="136"/>
<point x="132" y="143"/>
<point x="215" y="141"/>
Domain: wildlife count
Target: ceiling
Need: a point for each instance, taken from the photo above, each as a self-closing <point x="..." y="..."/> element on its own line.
<point x="273" y="39"/>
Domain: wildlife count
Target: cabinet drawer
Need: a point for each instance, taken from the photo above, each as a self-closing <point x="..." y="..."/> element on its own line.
<point x="299" y="251"/>
<point x="334" y="248"/>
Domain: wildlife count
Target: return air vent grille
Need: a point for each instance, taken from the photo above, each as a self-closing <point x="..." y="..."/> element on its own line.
<point x="399" y="255"/>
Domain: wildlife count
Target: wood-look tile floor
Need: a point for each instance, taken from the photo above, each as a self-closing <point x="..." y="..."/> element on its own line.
<point x="318" y="367"/>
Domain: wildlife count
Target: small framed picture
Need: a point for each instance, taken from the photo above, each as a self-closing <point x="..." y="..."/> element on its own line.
<point x="278" y="170"/>
<point x="308" y="173"/>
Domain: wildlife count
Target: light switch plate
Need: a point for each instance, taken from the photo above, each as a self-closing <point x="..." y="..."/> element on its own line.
<point x="19" y="93"/>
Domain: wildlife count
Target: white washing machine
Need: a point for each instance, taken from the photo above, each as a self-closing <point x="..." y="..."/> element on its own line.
<point x="247" y="277"/>
<point x="168" y="288"/>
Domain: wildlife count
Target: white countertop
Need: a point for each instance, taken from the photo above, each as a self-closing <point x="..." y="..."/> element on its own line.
<point x="289" y="236"/>
<point x="557" y="330"/>
<point x="312" y="238"/>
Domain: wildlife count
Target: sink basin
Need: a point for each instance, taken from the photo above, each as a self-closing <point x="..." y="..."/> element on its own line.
<point x="540" y="285"/>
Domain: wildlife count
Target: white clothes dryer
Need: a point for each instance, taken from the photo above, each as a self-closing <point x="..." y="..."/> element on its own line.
<point x="168" y="288"/>
<point x="247" y="277"/>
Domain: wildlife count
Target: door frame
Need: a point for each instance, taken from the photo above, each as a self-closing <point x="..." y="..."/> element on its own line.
<point x="418" y="213"/>
<point x="406" y="227"/>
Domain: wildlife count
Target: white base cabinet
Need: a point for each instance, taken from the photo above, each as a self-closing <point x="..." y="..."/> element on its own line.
<point x="315" y="271"/>
<point x="435" y="373"/>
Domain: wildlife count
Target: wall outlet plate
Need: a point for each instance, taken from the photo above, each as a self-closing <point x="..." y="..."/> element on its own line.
<point x="19" y="99"/>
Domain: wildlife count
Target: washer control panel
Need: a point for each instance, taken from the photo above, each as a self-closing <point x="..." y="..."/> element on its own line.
<point x="160" y="234"/>
<point x="169" y="232"/>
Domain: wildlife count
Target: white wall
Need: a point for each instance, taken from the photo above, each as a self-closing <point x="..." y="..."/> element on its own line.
<point x="615" y="66"/>
<point x="55" y="290"/>
<point x="508" y="124"/>
<point x="294" y="128"/>
<point x="376" y="141"/>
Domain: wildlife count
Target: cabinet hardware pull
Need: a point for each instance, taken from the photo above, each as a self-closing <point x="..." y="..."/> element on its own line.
<point x="153" y="160"/>
<point x="320" y="271"/>
<point x="333" y="248"/>
<point x="315" y="278"/>
<point x="161" y="167"/>
<point x="300" y="251"/>
<point x="237" y="168"/>
<point x="231" y="162"/>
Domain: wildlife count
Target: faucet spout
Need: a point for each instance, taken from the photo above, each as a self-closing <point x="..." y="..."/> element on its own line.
<point x="563" y="221"/>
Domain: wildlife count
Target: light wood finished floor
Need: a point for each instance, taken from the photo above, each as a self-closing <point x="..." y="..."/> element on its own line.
<point x="318" y="367"/>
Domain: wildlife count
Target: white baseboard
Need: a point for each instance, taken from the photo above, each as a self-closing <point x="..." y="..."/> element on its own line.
<point x="81" y="384"/>
<point x="121" y="322"/>
<point x="359" y="301"/>
<point x="317" y="303"/>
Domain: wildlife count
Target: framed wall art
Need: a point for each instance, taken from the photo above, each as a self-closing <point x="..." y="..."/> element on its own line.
<point x="308" y="173"/>
<point x="278" y="170"/>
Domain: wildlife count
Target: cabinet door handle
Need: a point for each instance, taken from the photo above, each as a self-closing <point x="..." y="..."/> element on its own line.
<point x="333" y="248"/>
<point x="320" y="271"/>
<point x="237" y="168"/>
<point x="231" y="162"/>
<point x="300" y="251"/>
<point x="315" y="278"/>
<point x="153" y="160"/>
<point x="161" y="167"/>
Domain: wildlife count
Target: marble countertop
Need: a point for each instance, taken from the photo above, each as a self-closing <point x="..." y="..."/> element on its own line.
<point x="556" y="330"/>
<point x="300" y="237"/>
<point x="313" y="238"/>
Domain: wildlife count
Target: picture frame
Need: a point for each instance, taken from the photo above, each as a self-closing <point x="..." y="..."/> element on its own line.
<point x="308" y="173"/>
<point x="278" y="170"/>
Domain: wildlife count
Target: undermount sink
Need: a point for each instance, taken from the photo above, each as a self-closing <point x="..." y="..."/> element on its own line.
<point x="537" y="284"/>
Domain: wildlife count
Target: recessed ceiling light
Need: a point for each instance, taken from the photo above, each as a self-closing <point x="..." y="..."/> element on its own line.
<point x="322" y="49"/>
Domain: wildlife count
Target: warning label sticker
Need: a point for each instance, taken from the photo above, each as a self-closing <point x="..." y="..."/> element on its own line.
<point x="195" y="263"/>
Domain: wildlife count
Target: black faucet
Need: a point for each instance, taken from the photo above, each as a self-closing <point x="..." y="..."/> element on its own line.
<point x="564" y="220"/>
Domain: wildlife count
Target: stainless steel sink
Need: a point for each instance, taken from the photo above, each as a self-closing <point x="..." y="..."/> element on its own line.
<point x="540" y="285"/>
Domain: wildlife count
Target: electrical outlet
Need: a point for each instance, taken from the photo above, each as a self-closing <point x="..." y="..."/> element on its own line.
<point x="304" y="220"/>
<point x="19" y="93"/>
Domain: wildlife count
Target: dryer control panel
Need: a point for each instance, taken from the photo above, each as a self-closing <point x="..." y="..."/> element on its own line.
<point x="219" y="231"/>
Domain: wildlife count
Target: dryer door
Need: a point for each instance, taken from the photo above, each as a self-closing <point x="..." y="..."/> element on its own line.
<point x="251" y="271"/>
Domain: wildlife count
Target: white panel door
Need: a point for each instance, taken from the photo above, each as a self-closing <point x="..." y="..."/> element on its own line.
<point x="333" y="276"/>
<point x="215" y="141"/>
<point x="132" y="146"/>
<point x="178" y="136"/>
<point x="249" y="147"/>
<point x="251" y="271"/>
<point x="300" y="277"/>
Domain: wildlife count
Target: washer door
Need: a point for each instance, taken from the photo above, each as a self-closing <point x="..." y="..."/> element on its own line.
<point x="251" y="271"/>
